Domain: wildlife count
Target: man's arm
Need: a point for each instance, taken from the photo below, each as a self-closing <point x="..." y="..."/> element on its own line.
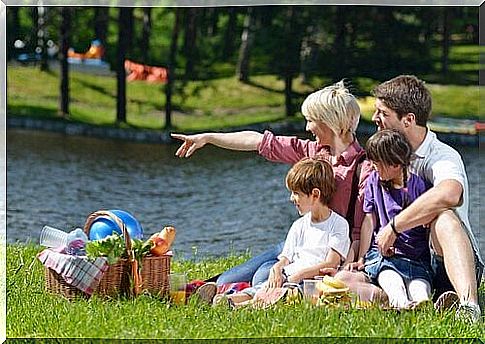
<point x="242" y="141"/>
<point x="447" y="194"/>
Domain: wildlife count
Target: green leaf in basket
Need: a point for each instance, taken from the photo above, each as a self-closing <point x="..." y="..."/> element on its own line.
<point x="112" y="247"/>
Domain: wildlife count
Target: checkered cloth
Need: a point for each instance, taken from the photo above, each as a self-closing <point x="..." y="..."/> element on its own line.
<point x="77" y="271"/>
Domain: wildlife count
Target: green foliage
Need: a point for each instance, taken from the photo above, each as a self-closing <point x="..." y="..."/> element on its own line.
<point x="339" y="41"/>
<point x="32" y="313"/>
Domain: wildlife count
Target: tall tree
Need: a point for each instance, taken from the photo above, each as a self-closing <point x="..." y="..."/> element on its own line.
<point x="339" y="43"/>
<point x="125" y="27"/>
<point x="64" y="47"/>
<point x="446" y="42"/>
<point x="146" y="32"/>
<point x="101" y="20"/>
<point x="13" y="24"/>
<point x="229" y="34"/>
<point x="171" y="68"/>
<point x="247" y="37"/>
<point x="190" y="41"/>
<point x="293" y="40"/>
<point x="42" y="37"/>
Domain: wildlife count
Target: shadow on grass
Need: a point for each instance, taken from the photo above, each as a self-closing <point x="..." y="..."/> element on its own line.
<point x="266" y="88"/>
<point x="33" y="111"/>
<point x="95" y="87"/>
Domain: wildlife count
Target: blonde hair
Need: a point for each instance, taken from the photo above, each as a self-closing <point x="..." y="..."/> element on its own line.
<point x="309" y="174"/>
<point x="335" y="106"/>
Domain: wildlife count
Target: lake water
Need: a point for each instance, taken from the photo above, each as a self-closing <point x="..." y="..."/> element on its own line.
<point x="219" y="201"/>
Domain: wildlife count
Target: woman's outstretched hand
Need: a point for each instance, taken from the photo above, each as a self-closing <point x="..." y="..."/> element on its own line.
<point x="190" y="145"/>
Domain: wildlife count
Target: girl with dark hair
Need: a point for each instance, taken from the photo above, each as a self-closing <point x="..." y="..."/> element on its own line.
<point x="404" y="273"/>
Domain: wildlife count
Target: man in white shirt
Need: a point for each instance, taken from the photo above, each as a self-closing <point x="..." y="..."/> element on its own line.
<point x="404" y="103"/>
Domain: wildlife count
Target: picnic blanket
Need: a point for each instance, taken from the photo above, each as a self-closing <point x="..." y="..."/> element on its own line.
<point x="77" y="271"/>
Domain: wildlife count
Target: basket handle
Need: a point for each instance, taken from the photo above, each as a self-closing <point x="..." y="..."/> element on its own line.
<point x="121" y="225"/>
<point x="129" y="249"/>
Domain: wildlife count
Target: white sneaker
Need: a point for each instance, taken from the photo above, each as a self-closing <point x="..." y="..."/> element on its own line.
<point x="469" y="312"/>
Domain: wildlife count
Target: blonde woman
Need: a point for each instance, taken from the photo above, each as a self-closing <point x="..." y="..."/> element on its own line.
<point x="332" y="116"/>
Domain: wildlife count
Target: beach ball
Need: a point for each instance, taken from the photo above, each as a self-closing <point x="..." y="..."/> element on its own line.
<point x="103" y="227"/>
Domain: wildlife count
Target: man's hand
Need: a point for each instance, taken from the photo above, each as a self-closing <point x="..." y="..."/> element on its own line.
<point x="190" y="145"/>
<point x="276" y="278"/>
<point x="385" y="240"/>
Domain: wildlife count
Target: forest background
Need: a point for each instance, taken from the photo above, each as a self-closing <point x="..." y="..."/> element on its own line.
<point x="243" y="56"/>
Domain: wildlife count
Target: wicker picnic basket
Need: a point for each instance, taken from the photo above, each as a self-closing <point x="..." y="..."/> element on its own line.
<point x="124" y="277"/>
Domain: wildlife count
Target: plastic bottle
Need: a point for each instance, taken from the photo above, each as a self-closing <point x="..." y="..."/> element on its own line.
<point x="76" y="242"/>
<point x="52" y="237"/>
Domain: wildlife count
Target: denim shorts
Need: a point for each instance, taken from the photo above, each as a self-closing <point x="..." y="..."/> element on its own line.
<point x="409" y="269"/>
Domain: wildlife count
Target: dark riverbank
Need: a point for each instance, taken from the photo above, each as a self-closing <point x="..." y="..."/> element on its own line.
<point x="163" y="136"/>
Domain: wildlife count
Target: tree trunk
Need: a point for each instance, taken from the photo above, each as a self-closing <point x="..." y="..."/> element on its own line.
<point x="42" y="38"/>
<point x="213" y="21"/>
<point x="171" y="69"/>
<point x="228" y="47"/>
<point x="34" y="15"/>
<point x="64" y="47"/>
<point x="242" y="69"/>
<point x="445" y="43"/>
<point x="293" y="45"/>
<point x="13" y="23"/>
<point x="146" y="31"/>
<point x="124" y="27"/>
<point x="289" y="110"/>
<point x="190" y="48"/>
<point x="101" y="19"/>
<point x="339" y="44"/>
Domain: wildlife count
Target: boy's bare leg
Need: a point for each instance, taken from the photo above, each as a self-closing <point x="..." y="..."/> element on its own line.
<point x="450" y="241"/>
<point x="239" y="298"/>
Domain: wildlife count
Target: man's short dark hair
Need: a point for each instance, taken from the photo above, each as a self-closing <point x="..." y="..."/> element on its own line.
<point x="406" y="94"/>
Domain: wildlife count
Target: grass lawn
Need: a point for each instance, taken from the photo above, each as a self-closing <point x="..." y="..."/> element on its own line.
<point x="33" y="313"/>
<point x="199" y="105"/>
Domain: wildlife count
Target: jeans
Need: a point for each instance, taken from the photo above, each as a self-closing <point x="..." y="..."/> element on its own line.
<point x="255" y="270"/>
<point x="409" y="269"/>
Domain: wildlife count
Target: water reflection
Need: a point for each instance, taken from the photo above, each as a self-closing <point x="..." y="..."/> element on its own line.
<point x="218" y="200"/>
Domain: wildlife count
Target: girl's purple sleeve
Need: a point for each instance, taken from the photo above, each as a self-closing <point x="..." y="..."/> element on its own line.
<point x="369" y="199"/>
<point x="286" y="149"/>
<point x="363" y="197"/>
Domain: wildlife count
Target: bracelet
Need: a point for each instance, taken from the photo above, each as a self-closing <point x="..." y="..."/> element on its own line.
<point x="393" y="226"/>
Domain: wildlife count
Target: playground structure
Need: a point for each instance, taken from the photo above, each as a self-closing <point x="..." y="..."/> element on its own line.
<point x="151" y="74"/>
<point x="95" y="52"/>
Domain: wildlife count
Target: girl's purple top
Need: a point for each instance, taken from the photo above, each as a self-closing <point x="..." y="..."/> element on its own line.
<point x="412" y="243"/>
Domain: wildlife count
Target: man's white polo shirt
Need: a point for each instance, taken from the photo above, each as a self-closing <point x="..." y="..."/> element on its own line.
<point x="436" y="161"/>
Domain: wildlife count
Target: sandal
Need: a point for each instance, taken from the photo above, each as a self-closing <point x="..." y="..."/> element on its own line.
<point x="206" y="292"/>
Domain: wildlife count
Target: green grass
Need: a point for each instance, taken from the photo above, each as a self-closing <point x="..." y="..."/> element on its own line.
<point x="31" y="312"/>
<point x="198" y="105"/>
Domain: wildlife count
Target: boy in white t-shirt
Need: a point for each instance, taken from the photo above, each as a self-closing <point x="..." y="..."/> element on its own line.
<point x="319" y="239"/>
